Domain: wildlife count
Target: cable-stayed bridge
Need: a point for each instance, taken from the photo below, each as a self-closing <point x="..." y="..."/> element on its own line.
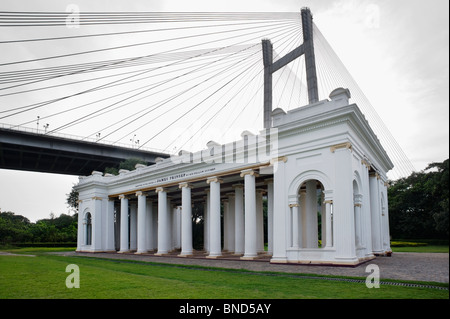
<point x="170" y="81"/>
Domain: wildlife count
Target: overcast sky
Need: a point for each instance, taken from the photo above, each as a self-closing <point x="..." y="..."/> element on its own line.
<point x="397" y="51"/>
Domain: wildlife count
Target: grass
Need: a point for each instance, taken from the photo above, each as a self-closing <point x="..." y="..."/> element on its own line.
<point x="44" y="276"/>
<point x="422" y="249"/>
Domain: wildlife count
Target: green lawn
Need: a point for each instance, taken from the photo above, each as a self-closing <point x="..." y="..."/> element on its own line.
<point x="422" y="249"/>
<point x="44" y="276"/>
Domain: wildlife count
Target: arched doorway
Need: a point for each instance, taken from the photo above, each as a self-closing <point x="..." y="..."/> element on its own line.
<point x="309" y="226"/>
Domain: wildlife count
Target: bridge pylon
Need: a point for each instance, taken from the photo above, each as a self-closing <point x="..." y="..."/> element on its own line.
<point x="270" y="67"/>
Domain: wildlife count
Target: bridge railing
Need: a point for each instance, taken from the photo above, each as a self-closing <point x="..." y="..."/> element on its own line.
<point x="37" y="131"/>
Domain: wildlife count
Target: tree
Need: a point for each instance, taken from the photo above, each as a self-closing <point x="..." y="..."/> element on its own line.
<point x="418" y="204"/>
<point x="18" y="229"/>
<point x="128" y="164"/>
<point x="72" y="200"/>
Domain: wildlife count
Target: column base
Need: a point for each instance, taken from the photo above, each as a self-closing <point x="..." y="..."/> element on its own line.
<point x="162" y="253"/>
<point x="278" y="260"/>
<point x="251" y="257"/>
<point x="186" y="254"/>
<point x="141" y="252"/>
<point x="213" y="256"/>
<point x="123" y="251"/>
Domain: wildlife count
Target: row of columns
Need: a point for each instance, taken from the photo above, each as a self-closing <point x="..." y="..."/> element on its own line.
<point x="243" y="233"/>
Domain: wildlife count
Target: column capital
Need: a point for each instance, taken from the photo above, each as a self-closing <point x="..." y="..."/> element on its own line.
<point x="185" y="184"/>
<point x="249" y="172"/>
<point x="268" y="181"/>
<point x="260" y="190"/>
<point x="160" y="189"/>
<point x="96" y="198"/>
<point x="230" y="194"/>
<point x="347" y="145"/>
<point x="213" y="179"/>
<point x="374" y="174"/>
<point x="330" y="201"/>
<point x="140" y="193"/>
<point x="293" y="205"/>
<point x="122" y="196"/>
<point x="358" y="198"/>
<point x="237" y="186"/>
<point x="365" y="163"/>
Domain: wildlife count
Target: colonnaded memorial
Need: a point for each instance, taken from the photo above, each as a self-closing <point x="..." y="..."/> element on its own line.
<point x="319" y="165"/>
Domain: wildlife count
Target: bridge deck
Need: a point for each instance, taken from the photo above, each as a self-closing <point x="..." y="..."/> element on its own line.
<point x="53" y="154"/>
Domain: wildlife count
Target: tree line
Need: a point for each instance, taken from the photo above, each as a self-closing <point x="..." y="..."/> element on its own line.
<point x="418" y="209"/>
<point x="418" y="204"/>
<point x="18" y="229"/>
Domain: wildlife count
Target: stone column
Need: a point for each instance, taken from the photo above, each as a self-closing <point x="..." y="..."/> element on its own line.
<point x="150" y="230"/>
<point x="280" y="210"/>
<point x="186" y="220"/>
<point x="375" y="212"/>
<point x="366" y="230"/>
<point x="269" y="183"/>
<point x="231" y="222"/>
<point x="385" y="214"/>
<point x="239" y="219"/>
<point x="206" y="221"/>
<point x="169" y="212"/>
<point x="176" y="227"/>
<point x="311" y="215"/>
<point x="303" y="219"/>
<point x="295" y="225"/>
<point x="357" y="199"/>
<point x="214" y="210"/>
<point x="163" y="223"/>
<point x="329" y="225"/>
<point x="259" y="221"/>
<point x="133" y="226"/>
<point x="142" y="223"/>
<point x="226" y="225"/>
<point x="250" y="214"/>
<point x="123" y="224"/>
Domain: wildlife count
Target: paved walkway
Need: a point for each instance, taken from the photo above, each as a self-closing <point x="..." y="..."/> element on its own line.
<point x="402" y="266"/>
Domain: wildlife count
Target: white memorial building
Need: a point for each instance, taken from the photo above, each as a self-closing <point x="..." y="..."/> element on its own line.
<point x="320" y="166"/>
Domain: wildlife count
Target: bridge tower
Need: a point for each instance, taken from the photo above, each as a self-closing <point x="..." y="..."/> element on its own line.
<point x="270" y="67"/>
